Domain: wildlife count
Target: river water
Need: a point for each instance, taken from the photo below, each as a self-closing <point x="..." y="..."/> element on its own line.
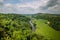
<point x="32" y="25"/>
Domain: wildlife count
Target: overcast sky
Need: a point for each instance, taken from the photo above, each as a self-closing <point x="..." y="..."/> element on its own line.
<point x="30" y="6"/>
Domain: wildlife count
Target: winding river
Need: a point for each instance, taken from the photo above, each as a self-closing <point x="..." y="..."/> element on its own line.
<point x="32" y="25"/>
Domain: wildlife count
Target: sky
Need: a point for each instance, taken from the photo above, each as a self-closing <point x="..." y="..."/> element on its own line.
<point x="30" y="6"/>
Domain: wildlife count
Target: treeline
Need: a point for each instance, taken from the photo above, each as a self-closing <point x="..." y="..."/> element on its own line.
<point x="16" y="27"/>
<point x="54" y="19"/>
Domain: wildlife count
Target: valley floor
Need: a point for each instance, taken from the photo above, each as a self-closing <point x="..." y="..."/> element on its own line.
<point x="45" y="30"/>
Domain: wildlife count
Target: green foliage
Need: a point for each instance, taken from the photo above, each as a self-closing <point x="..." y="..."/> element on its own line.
<point x="16" y="27"/>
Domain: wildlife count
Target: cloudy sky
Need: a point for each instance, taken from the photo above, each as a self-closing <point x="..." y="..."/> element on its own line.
<point x="29" y="6"/>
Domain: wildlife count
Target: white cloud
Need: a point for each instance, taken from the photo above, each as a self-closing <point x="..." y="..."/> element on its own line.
<point x="54" y="9"/>
<point x="43" y="2"/>
<point x="29" y="7"/>
<point x="1" y="3"/>
<point x="34" y="5"/>
<point x="8" y="5"/>
<point x="1" y="0"/>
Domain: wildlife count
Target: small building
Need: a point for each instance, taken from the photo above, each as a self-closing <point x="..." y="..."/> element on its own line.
<point x="48" y="22"/>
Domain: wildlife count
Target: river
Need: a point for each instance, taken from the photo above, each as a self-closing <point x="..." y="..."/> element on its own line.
<point x="32" y="25"/>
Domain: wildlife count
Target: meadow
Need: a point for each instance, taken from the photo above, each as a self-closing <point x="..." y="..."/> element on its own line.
<point x="44" y="29"/>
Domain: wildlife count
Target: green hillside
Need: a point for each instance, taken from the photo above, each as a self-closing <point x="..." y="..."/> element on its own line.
<point x="45" y="30"/>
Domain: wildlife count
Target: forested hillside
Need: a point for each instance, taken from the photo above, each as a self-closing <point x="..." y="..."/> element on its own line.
<point x="53" y="19"/>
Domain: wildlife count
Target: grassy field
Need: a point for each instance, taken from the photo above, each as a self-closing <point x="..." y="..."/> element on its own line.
<point x="45" y="30"/>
